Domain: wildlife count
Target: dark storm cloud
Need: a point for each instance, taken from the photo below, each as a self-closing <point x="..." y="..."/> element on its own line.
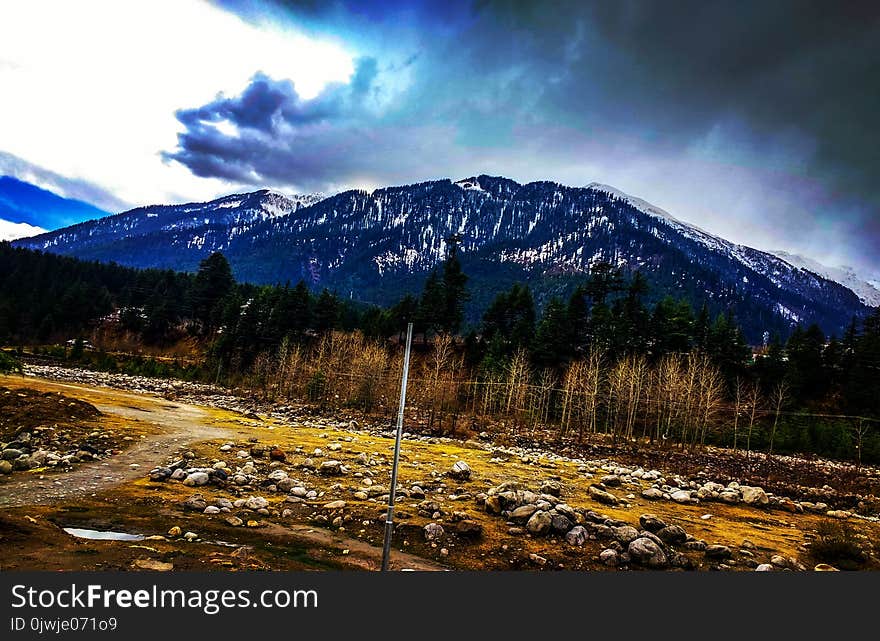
<point x="771" y="107"/>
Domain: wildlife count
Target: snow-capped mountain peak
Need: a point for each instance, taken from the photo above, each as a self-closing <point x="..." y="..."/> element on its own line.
<point x="866" y="288"/>
<point x="382" y="243"/>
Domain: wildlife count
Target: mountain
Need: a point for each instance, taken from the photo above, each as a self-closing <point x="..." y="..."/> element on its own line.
<point x="22" y="202"/>
<point x="377" y="245"/>
<point x="175" y="236"/>
<point x="866" y="288"/>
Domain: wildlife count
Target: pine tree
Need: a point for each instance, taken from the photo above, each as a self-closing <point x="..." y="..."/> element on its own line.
<point x="326" y="312"/>
<point x="552" y="347"/>
<point x="454" y="289"/>
<point x="212" y="283"/>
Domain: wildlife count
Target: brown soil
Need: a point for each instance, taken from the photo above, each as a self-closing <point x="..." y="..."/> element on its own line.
<point x="113" y="495"/>
<point x="24" y="409"/>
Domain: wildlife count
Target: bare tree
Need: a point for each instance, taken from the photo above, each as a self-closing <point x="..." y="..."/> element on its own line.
<point x="738" y="394"/>
<point x="752" y="403"/>
<point x="777" y="399"/>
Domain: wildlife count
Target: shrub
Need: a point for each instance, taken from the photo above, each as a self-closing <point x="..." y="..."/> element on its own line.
<point x="9" y="364"/>
<point x="836" y="545"/>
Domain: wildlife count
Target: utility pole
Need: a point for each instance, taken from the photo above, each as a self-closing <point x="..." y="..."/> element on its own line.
<point x="389" y="517"/>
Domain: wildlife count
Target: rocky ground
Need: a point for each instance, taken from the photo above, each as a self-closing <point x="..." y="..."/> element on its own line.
<point x="292" y="488"/>
<point x="50" y="430"/>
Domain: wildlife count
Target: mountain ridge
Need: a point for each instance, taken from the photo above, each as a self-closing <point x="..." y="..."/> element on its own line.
<point x="381" y="243"/>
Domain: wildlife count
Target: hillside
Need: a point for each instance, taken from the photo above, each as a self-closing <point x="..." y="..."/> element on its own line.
<point x="376" y="246"/>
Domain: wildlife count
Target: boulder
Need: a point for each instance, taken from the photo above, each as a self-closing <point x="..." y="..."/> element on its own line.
<point x="646" y="552"/>
<point x="331" y="468"/>
<point x="540" y="523"/>
<point x="256" y="503"/>
<point x="754" y="496"/>
<point x="577" y="536"/>
<point x="523" y="512"/>
<point x="461" y="471"/>
<point x="684" y="497"/>
<point x="625" y="534"/>
<point x="195" y="503"/>
<point x="469" y="528"/>
<point x="433" y="532"/>
<point x="560" y="523"/>
<point x="609" y="557"/>
<point x="652" y="494"/>
<point x="672" y="535"/>
<point x="719" y="552"/>
<point x="600" y="495"/>
<point x="651" y="522"/>
<point x="196" y="479"/>
<point x="5" y="467"/>
<point x="553" y="488"/>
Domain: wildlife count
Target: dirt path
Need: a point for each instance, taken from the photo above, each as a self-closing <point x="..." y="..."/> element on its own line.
<point x="175" y="425"/>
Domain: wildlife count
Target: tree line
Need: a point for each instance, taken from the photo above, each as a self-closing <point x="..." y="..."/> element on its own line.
<point x="601" y="361"/>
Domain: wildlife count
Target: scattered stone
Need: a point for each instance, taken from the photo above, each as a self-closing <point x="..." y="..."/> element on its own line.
<point x="551" y="487"/>
<point x="609" y="557"/>
<point x="651" y="522"/>
<point x="433" y="531"/>
<point x="256" y="503"/>
<point x="610" y="480"/>
<point x="197" y="479"/>
<point x="600" y="495"/>
<point x="539" y="523"/>
<point x="645" y="551"/>
<point x="469" y="528"/>
<point x="195" y="503"/>
<point x="684" y="497"/>
<point x="577" y="536"/>
<point x="334" y="505"/>
<point x="331" y="468"/>
<point x="537" y="559"/>
<point x="153" y="565"/>
<point x="672" y="535"/>
<point x="160" y="474"/>
<point x="625" y="534"/>
<point x="754" y="496"/>
<point x="824" y="567"/>
<point x="720" y="552"/>
<point x="234" y="521"/>
<point x="652" y="494"/>
<point x="461" y="471"/>
<point x="175" y="531"/>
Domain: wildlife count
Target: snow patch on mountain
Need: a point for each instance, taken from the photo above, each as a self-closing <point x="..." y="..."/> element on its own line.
<point x="866" y="288"/>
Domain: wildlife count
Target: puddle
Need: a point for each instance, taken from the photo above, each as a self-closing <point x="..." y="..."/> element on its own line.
<point x="102" y="535"/>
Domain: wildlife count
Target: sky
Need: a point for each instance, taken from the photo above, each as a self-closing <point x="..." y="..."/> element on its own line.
<point x="752" y="120"/>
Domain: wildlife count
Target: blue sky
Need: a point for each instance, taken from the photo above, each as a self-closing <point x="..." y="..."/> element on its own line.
<point x="752" y="120"/>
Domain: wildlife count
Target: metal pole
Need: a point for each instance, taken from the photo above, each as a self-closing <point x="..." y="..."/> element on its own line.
<point x="389" y="517"/>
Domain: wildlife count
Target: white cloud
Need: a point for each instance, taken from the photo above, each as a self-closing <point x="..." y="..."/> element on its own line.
<point x="11" y="231"/>
<point x="90" y="88"/>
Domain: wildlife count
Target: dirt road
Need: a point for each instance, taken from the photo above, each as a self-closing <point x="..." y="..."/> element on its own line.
<point x="165" y="427"/>
<point x="173" y="426"/>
